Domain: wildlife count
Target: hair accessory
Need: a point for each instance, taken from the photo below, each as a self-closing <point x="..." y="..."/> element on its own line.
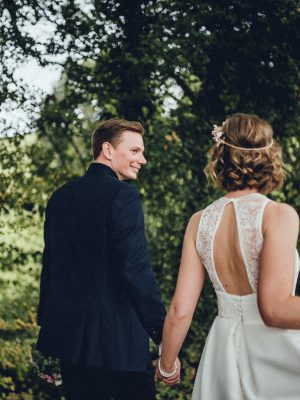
<point x="217" y="134"/>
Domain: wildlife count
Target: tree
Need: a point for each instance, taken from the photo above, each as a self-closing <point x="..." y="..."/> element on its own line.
<point x="177" y="66"/>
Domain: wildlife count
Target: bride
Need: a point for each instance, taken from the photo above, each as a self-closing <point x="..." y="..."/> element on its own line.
<point x="247" y="245"/>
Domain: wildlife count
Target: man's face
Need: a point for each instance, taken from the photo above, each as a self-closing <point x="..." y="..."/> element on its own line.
<point x="127" y="157"/>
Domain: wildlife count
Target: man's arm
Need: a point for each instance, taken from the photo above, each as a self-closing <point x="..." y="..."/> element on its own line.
<point x="46" y="270"/>
<point x="131" y="252"/>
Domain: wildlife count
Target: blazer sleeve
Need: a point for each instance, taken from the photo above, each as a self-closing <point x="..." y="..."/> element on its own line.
<point x="131" y="250"/>
<point x="46" y="269"/>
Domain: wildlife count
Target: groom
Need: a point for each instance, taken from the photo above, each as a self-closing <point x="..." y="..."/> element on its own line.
<point x="99" y="301"/>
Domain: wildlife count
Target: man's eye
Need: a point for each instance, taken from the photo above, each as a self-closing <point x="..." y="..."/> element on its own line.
<point x="134" y="151"/>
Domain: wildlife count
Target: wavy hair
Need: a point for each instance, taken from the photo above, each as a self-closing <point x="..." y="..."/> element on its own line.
<point x="236" y="169"/>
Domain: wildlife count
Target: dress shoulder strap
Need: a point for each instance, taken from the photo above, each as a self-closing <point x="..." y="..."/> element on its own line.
<point x="208" y="226"/>
<point x="249" y="214"/>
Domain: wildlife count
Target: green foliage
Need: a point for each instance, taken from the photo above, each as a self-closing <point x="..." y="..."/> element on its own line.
<point x="20" y="264"/>
<point x="176" y="66"/>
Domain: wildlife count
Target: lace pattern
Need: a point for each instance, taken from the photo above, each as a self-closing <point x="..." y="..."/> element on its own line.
<point x="249" y="214"/>
<point x="249" y="219"/>
<point x="207" y="229"/>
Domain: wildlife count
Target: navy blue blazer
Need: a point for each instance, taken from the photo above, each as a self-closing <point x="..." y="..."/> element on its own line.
<point x="99" y="301"/>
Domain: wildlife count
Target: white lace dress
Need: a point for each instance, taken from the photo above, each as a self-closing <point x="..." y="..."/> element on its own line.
<point x="242" y="357"/>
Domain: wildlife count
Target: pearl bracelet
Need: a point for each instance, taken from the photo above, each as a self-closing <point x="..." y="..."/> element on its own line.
<point x="166" y="374"/>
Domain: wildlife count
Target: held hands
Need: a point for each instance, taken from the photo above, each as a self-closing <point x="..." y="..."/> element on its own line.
<point x="162" y="372"/>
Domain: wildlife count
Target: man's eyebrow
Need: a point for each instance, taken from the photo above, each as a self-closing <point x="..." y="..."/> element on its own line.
<point x="138" y="147"/>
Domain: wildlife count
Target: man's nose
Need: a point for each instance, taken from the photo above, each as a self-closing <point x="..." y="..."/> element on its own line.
<point x="143" y="160"/>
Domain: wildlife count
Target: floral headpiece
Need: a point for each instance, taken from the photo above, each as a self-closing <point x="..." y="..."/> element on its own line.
<point x="218" y="132"/>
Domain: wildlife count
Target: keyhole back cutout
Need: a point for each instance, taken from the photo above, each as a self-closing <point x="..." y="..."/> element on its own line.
<point x="229" y="263"/>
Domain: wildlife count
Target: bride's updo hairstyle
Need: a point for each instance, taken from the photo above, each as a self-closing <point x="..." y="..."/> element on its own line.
<point x="245" y="155"/>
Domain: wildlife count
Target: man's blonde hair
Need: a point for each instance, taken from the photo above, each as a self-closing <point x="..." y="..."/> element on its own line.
<point x="111" y="131"/>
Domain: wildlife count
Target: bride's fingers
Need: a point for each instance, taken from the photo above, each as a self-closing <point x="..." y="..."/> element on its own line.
<point x="172" y="383"/>
<point x="173" y="380"/>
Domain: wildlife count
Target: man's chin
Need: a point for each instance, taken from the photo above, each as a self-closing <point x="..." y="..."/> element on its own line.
<point x="130" y="177"/>
<point x="134" y="175"/>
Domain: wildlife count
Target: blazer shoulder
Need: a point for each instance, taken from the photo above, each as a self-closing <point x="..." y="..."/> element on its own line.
<point x="128" y="191"/>
<point x="67" y="186"/>
<point x="126" y="201"/>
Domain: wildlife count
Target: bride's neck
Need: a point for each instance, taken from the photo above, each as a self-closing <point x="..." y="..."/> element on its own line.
<point x="238" y="193"/>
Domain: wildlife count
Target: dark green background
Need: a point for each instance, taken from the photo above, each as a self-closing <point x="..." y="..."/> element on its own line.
<point x="176" y="66"/>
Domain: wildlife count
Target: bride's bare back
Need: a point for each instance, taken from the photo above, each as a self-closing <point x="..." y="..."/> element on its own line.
<point x="229" y="263"/>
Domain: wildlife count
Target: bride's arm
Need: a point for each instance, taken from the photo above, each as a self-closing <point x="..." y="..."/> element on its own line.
<point x="278" y="307"/>
<point x="189" y="285"/>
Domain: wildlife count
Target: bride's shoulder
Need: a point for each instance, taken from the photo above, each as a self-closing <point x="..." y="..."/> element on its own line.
<point x="195" y="218"/>
<point x="277" y="209"/>
<point x="193" y="224"/>
<point x="277" y="213"/>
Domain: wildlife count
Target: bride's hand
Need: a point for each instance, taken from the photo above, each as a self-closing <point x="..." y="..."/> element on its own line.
<point x="173" y="380"/>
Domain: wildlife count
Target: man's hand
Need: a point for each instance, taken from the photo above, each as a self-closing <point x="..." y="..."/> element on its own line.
<point x="173" y="380"/>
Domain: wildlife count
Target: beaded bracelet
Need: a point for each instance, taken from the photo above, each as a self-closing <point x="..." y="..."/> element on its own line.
<point x="166" y="374"/>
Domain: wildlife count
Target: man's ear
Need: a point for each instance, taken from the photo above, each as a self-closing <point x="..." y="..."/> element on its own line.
<point x="107" y="150"/>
